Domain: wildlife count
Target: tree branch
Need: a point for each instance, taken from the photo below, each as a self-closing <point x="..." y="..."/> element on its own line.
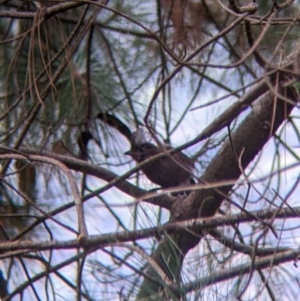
<point x="248" y="140"/>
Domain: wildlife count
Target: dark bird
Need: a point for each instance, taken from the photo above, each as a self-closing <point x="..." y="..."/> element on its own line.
<point x="169" y="171"/>
<point x="83" y="141"/>
<point x="3" y="286"/>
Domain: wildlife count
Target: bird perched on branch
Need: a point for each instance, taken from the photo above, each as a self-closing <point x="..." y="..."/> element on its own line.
<point x="169" y="171"/>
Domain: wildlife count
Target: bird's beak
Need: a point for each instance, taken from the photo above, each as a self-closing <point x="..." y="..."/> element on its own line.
<point x="128" y="153"/>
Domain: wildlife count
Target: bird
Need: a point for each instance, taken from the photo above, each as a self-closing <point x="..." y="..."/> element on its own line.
<point x="83" y="141"/>
<point x="3" y="286"/>
<point x="169" y="171"/>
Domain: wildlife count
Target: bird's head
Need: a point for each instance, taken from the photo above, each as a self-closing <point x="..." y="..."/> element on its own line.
<point x="141" y="149"/>
<point x="142" y="152"/>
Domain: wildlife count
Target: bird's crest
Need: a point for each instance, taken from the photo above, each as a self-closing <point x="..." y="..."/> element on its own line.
<point x="138" y="137"/>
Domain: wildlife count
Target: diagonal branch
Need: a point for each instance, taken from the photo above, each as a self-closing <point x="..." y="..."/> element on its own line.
<point x="250" y="137"/>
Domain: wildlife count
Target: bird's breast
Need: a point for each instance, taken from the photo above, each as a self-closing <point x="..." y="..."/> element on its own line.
<point x="165" y="172"/>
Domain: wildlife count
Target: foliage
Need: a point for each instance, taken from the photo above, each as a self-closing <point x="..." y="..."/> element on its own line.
<point x="216" y="80"/>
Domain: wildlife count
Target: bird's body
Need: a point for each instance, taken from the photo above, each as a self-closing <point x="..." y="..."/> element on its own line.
<point x="169" y="171"/>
